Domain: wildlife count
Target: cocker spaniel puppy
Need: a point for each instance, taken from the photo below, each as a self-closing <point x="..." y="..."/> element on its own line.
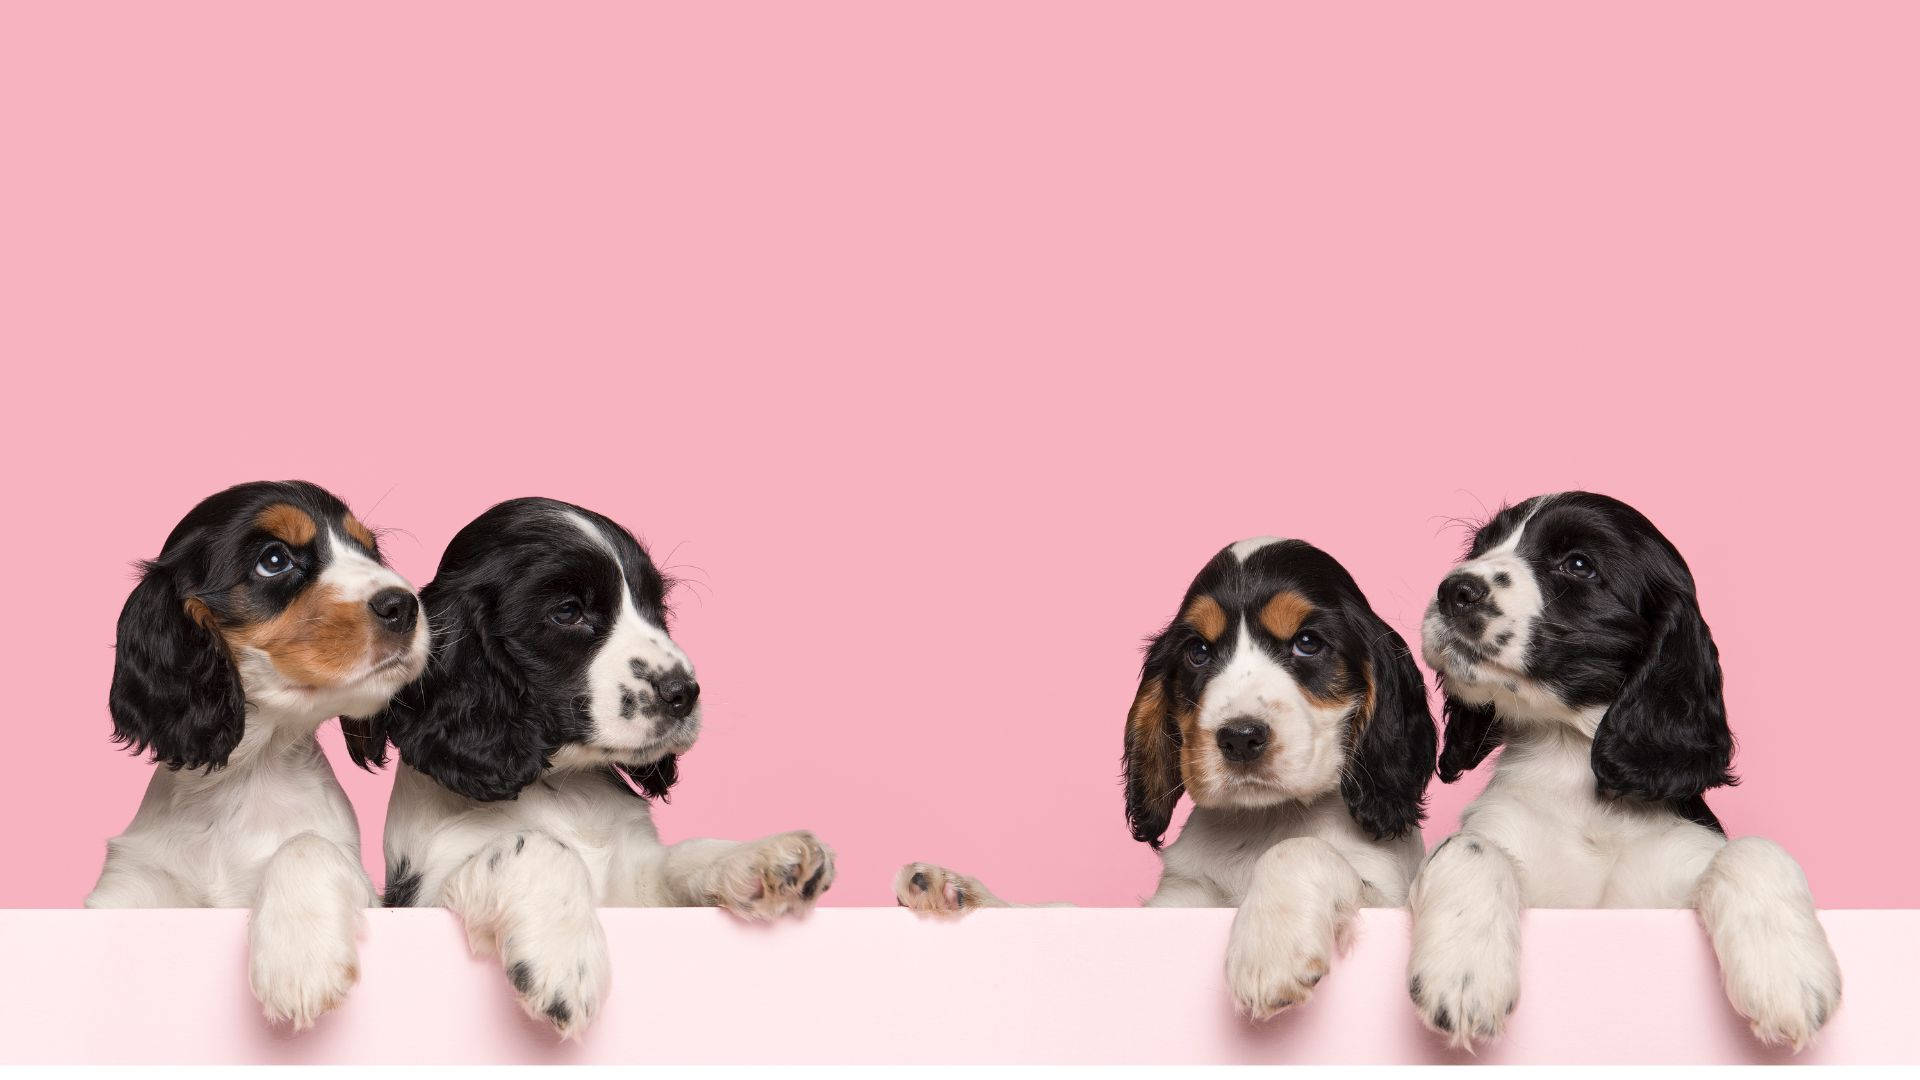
<point x="1572" y="636"/>
<point x="268" y="611"/>
<point x="1297" y="722"/>
<point x="554" y="692"/>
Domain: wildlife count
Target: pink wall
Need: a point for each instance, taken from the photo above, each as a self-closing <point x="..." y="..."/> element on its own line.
<point x="939" y="348"/>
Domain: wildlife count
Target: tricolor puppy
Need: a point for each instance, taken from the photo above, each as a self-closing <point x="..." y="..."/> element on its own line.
<point x="554" y="691"/>
<point x="1297" y="722"/>
<point x="1571" y="634"/>
<point x="268" y="611"/>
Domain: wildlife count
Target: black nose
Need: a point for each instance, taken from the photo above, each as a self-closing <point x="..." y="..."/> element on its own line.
<point x="397" y="609"/>
<point x="676" y="694"/>
<point x="1242" y="740"/>
<point x="1460" y="592"/>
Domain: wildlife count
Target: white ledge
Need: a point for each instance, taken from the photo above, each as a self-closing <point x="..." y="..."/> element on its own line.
<point x="852" y="985"/>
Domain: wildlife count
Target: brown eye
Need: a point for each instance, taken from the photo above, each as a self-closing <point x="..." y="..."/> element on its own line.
<point x="566" y="613"/>
<point x="1580" y="565"/>
<point x="275" y="560"/>
<point x="1306" y="643"/>
<point x="1199" y="655"/>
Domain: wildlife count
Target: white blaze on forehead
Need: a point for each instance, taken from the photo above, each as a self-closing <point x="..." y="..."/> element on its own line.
<point x="631" y="638"/>
<point x="353" y="574"/>
<point x="1244" y="549"/>
<point x="1252" y="684"/>
<point x="1304" y="752"/>
<point x="1515" y="591"/>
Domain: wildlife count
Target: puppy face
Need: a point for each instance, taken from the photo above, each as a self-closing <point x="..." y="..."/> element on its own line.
<point x="268" y="595"/>
<point x="1277" y="683"/>
<point x="1572" y="609"/>
<point x="553" y="653"/>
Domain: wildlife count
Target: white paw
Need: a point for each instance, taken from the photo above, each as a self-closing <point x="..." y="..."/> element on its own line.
<point x="1465" y="993"/>
<point x="780" y="875"/>
<point x="926" y="889"/>
<point x="301" y="970"/>
<point x="1786" y="986"/>
<point x="562" y="977"/>
<point x="1276" y="957"/>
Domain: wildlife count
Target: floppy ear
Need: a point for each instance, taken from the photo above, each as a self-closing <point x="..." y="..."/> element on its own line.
<point x="468" y="721"/>
<point x="1666" y="736"/>
<point x="1473" y="732"/>
<point x="654" y="779"/>
<point x="1152" y="756"/>
<point x="1391" y="758"/>
<point x="175" y="689"/>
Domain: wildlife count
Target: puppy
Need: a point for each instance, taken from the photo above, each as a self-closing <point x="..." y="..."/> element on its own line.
<point x="1297" y="722"/>
<point x="554" y="690"/>
<point x="268" y="611"/>
<point x="1572" y="635"/>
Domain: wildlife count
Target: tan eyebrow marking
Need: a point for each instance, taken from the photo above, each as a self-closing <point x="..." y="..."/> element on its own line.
<point x="1206" y="615"/>
<point x="1283" y="615"/>
<point x="288" y="523"/>
<point x="359" y="532"/>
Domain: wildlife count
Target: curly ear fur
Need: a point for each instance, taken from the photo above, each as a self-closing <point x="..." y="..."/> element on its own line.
<point x="175" y="690"/>
<point x="656" y="777"/>
<point x="1391" y="759"/>
<point x="1666" y="737"/>
<point x="468" y="721"/>
<point x="1152" y="756"/>
<point x="1473" y="732"/>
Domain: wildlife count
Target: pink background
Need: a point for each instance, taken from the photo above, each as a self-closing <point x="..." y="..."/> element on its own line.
<point x="939" y="347"/>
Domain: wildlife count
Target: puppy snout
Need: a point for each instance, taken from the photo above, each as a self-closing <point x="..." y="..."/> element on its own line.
<point x="395" y="609"/>
<point x="1461" y="593"/>
<point x="1243" y="740"/>
<point x="676" y="692"/>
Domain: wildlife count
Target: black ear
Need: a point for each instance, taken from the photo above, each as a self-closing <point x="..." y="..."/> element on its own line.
<point x="1473" y="732"/>
<point x="468" y="721"/>
<point x="1666" y="736"/>
<point x="1151" y="759"/>
<point x="654" y="779"/>
<point x="1391" y="757"/>
<point x="175" y="690"/>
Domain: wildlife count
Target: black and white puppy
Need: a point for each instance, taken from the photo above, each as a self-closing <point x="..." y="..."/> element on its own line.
<point x="1572" y="635"/>
<point x="268" y="611"/>
<point x="554" y="689"/>
<point x="1297" y="721"/>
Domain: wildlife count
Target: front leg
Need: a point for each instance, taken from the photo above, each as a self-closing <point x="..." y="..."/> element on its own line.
<point x="1298" y="915"/>
<point x="760" y="880"/>
<point x="528" y="899"/>
<point x="1778" y="969"/>
<point x="1464" y="974"/>
<point x="303" y="952"/>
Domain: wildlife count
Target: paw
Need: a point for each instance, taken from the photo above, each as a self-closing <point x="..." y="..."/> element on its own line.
<point x="1276" y="958"/>
<point x="1465" y="995"/>
<point x="1787" y="989"/>
<point x="300" y="970"/>
<point x="780" y="875"/>
<point x="926" y="889"/>
<point x="562" y="979"/>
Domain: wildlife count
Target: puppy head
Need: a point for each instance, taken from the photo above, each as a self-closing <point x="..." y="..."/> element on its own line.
<point x="551" y="651"/>
<point x="266" y="595"/>
<point x="1275" y="683"/>
<point x="1573" y="609"/>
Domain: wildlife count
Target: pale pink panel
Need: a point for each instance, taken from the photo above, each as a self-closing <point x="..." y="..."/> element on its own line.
<point x="1095" y="985"/>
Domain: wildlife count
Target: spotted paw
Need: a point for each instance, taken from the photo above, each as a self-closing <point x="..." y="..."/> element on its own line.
<point x="562" y="978"/>
<point x="926" y="889"/>
<point x="780" y="875"/>
<point x="1465" y="997"/>
<point x="1274" y="960"/>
